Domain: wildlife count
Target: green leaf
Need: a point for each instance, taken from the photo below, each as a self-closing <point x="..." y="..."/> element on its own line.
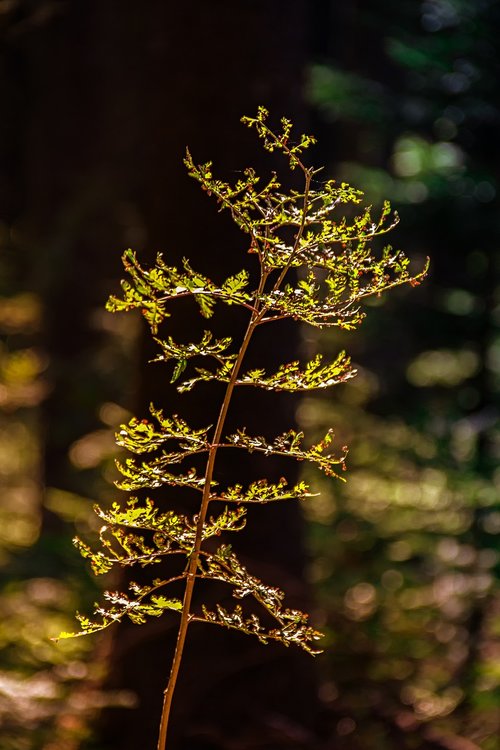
<point x="178" y="370"/>
<point x="233" y="287"/>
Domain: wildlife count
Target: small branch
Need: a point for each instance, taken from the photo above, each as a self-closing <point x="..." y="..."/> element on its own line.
<point x="208" y="293"/>
<point x="142" y="558"/>
<point x="273" y="318"/>
<point x="300" y="232"/>
<point x="265" y="635"/>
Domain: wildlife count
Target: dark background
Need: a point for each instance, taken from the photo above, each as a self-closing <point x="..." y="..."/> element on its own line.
<point x="400" y="566"/>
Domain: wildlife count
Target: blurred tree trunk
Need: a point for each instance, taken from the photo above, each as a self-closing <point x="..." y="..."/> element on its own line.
<point x="405" y="57"/>
<point x="121" y="89"/>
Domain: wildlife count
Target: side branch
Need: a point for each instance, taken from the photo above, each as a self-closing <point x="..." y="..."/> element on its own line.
<point x="289" y="445"/>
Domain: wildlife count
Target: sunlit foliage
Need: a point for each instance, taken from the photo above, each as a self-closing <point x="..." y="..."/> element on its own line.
<point x="288" y="231"/>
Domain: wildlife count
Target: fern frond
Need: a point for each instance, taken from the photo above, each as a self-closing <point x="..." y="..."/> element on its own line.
<point x="289" y="377"/>
<point x="154" y="474"/>
<point x="290" y="444"/>
<point x="279" y="141"/>
<point x="167" y="528"/>
<point x="263" y="492"/>
<point x="146" y="604"/>
<point x="150" y="290"/>
<point x="141" y="436"/>
<point x="184" y="352"/>
<point x="221" y="374"/>
<point x="317" y="266"/>
<point x="294" y="631"/>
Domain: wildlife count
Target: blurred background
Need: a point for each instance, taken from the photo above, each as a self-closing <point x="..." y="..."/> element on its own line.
<point x="400" y="565"/>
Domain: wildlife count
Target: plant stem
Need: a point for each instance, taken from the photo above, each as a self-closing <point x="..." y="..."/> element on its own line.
<point x="258" y="313"/>
<point x="255" y="319"/>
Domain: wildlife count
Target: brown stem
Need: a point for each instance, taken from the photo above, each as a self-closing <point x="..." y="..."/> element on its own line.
<point x="186" y="617"/>
<point x="307" y="176"/>
<point x="195" y="554"/>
